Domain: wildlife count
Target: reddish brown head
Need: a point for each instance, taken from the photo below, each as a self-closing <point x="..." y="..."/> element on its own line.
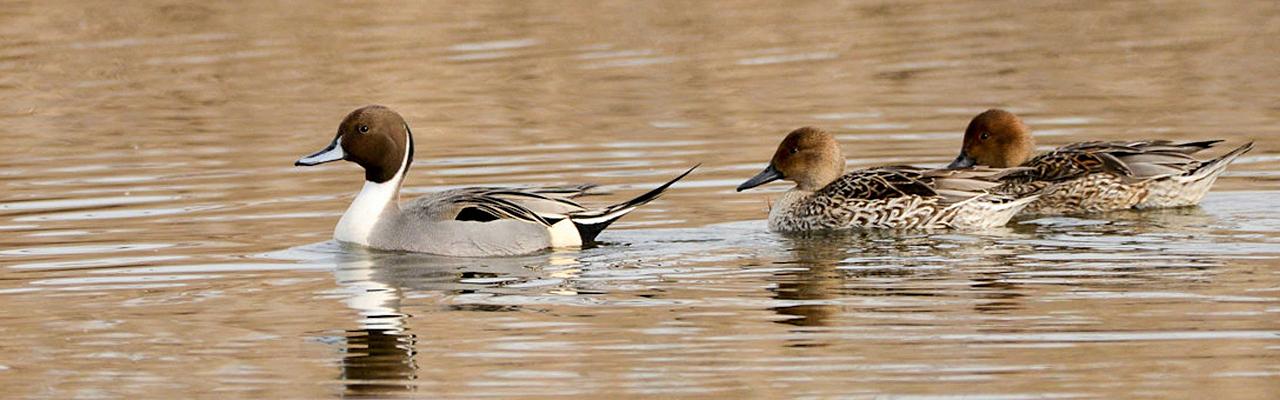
<point x="373" y="137"/>
<point x="808" y="156"/>
<point x="995" y="138"/>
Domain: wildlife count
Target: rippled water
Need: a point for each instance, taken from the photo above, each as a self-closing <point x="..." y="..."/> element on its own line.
<point x="155" y="241"/>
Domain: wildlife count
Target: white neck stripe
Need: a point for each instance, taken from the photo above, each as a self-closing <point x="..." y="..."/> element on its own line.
<point x="370" y="205"/>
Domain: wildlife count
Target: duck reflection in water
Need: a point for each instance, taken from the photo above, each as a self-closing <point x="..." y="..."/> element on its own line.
<point x="839" y="266"/>
<point x="380" y="359"/>
<point x="808" y="288"/>
<point x="379" y="355"/>
<point x="822" y="254"/>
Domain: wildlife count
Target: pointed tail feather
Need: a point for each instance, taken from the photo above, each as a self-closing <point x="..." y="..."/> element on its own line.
<point x="1217" y="165"/>
<point x="591" y="223"/>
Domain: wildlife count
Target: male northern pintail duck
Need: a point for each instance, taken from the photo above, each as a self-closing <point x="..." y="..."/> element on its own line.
<point x="1089" y="177"/>
<point x="468" y="222"/>
<point x="891" y="197"/>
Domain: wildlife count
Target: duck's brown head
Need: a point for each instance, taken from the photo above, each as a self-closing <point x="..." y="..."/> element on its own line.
<point x="373" y="137"/>
<point x="996" y="138"/>
<point x="808" y="156"/>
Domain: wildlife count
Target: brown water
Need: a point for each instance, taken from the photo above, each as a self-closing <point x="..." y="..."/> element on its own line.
<point x="155" y="241"/>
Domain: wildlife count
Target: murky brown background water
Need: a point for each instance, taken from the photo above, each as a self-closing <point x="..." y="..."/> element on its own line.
<point x="156" y="243"/>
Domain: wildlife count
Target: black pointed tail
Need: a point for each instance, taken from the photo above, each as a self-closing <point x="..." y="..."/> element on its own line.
<point x="591" y="223"/>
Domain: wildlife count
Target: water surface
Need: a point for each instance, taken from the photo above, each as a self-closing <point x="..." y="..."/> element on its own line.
<point x="155" y="241"/>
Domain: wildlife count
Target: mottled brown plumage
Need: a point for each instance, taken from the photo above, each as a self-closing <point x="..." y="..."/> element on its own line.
<point x="1096" y="176"/>
<point x="891" y="197"/>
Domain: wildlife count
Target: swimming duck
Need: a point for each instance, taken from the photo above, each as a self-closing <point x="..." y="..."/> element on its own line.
<point x="468" y="222"/>
<point x="890" y="197"/>
<point x="1090" y="177"/>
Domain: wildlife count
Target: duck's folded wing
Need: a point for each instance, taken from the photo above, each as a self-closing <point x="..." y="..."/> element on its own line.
<point x="1162" y="158"/>
<point x="878" y="183"/>
<point x="538" y="202"/>
<point x="948" y="185"/>
<point x="1131" y="160"/>
<point x="543" y="200"/>
<point x="491" y="204"/>
<point x="1143" y="145"/>
<point x="1070" y="162"/>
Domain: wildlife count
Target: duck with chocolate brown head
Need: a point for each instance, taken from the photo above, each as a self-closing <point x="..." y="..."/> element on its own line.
<point x="889" y="197"/>
<point x="808" y="156"/>
<point x="469" y="222"/>
<point x="996" y="138"/>
<point x="1092" y="176"/>
<point x="375" y="138"/>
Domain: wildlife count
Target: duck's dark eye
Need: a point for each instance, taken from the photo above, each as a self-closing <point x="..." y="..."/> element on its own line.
<point x="365" y="129"/>
<point x="985" y="135"/>
<point x="795" y="150"/>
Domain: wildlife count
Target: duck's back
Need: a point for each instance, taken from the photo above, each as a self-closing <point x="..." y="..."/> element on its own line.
<point x="1144" y="159"/>
<point x="1091" y="177"/>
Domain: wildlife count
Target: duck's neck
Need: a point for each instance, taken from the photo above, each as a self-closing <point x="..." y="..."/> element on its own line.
<point x="373" y="204"/>
<point x="376" y="202"/>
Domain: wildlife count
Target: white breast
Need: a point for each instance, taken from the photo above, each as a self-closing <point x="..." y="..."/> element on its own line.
<point x="356" y="225"/>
